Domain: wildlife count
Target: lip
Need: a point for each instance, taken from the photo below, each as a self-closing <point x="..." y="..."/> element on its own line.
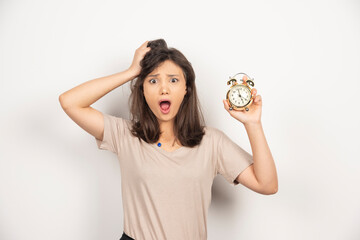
<point x="163" y="100"/>
<point x="168" y="110"/>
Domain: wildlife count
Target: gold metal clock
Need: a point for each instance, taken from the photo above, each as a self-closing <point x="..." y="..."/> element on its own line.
<point x="239" y="96"/>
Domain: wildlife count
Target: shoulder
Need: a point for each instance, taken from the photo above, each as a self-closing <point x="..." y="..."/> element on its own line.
<point x="121" y="119"/>
<point x="120" y="123"/>
<point x="126" y="121"/>
<point x="213" y="132"/>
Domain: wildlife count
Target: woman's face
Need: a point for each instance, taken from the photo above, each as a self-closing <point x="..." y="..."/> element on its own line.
<point x="167" y="81"/>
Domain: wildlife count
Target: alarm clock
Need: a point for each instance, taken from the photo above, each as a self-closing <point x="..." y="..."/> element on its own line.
<point x="239" y="96"/>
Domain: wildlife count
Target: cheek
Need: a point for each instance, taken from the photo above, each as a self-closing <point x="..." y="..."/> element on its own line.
<point x="177" y="102"/>
<point x="150" y="99"/>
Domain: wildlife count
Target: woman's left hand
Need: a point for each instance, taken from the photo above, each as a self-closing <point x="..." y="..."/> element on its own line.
<point x="254" y="113"/>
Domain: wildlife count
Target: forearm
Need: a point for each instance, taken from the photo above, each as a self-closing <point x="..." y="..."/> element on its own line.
<point x="89" y="92"/>
<point x="264" y="165"/>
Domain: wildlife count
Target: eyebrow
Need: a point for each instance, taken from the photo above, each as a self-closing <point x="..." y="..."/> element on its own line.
<point x="170" y="75"/>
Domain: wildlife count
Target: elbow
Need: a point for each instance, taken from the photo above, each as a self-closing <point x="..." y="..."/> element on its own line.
<point x="62" y="101"/>
<point x="271" y="190"/>
<point x="275" y="190"/>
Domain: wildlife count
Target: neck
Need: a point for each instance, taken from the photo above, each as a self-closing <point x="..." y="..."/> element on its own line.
<point x="167" y="132"/>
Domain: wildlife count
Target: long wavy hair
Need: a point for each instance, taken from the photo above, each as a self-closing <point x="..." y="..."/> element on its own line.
<point x="189" y="122"/>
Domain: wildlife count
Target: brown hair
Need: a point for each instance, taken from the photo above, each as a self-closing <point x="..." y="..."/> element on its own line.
<point x="189" y="122"/>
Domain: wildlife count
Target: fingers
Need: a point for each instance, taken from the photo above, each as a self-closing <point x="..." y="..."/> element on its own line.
<point x="253" y="92"/>
<point x="144" y="44"/>
<point x="226" y="105"/>
<point x="258" y="98"/>
<point x="244" y="78"/>
<point x="146" y="47"/>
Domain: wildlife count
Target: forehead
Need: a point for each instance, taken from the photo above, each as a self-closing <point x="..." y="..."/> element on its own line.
<point x="167" y="68"/>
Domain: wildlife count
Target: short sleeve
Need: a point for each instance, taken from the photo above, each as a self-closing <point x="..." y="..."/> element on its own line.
<point x="114" y="132"/>
<point x="232" y="159"/>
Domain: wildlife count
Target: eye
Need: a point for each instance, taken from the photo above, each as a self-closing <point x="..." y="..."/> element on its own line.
<point x="151" y="80"/>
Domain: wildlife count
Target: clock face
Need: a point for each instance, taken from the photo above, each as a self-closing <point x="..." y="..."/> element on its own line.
<point x="239" y="95"/>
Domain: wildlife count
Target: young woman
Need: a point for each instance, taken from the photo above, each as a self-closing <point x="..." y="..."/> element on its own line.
<point x="168" y="157"/>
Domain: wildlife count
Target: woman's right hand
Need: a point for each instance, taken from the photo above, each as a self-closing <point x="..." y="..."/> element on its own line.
<point x="138" y="56"/>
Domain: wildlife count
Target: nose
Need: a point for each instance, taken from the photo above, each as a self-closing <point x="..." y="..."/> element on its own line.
<point x="164" y="88"/>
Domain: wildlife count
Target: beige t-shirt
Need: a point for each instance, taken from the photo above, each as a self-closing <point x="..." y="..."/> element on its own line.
<point x="166" y="195"/>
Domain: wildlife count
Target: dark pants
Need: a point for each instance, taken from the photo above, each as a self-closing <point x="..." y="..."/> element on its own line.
<point x="126" y="237"/>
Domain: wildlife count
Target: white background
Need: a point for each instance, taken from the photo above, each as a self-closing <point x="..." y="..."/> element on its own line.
<point x="304" y="56"/>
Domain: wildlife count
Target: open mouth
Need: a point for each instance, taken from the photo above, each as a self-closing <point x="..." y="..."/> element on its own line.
<point x="165" y="105"/>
